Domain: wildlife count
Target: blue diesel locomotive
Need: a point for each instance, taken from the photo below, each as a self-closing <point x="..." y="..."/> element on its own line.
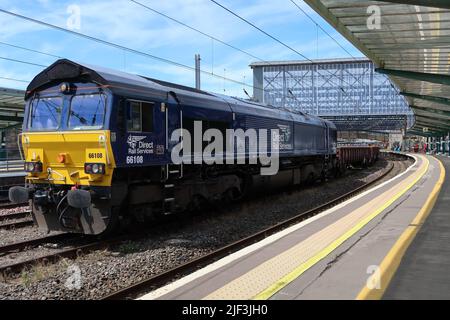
<point x="97" y="145"/>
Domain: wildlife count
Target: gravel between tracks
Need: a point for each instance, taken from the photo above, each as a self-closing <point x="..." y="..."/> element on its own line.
<point x="105" y="271"/>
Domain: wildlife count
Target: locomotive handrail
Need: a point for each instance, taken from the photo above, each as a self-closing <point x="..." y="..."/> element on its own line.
<point x="11" y="159"/>
<point x="19" y="145"/>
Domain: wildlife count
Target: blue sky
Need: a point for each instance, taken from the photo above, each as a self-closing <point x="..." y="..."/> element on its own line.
<point x="128" y="24"/>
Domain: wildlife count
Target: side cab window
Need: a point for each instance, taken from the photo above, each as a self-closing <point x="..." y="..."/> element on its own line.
<point x="140" y="116"/>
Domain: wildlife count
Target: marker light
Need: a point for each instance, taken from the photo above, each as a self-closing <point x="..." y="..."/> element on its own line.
<point x="61" y="158"/>
<point x="94" y="168"/>
<point x="33" y="166"/>
<point x="64" y="87"/>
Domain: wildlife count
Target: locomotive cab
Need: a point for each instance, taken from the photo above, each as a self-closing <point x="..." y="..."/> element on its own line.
<point x="65" y="137"/>
<point x="66" y="143"/>
<point x="86" y="133"/>
<point x="67" y="148"/>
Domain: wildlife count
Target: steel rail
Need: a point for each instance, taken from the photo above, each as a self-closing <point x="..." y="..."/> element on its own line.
<point x="15" y="215"/>
<point x="71" y="253"/>
<point x="22" y="245"/>
<point x="16" y="225"/>
<point x="8" y="205"/>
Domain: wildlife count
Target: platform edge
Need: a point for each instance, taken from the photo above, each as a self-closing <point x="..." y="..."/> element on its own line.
<point x="392" y="260"/>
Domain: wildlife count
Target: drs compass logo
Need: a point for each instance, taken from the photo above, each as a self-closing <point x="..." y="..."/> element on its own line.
<point x="137" y="148"/>
<point x="133" y="141"/>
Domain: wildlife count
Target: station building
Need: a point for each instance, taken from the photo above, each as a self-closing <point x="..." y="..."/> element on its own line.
<point x="346" y="91"/>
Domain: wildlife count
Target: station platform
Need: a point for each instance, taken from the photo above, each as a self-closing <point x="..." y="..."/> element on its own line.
<point x="349" y="251"/>
<point x="424" y="270"/>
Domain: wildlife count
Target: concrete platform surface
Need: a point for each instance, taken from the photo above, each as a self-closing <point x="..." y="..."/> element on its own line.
<point x="424" y="272"/>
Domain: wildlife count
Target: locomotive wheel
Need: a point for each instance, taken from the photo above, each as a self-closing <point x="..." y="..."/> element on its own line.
<point x="311" y="179"/>
<point x="197" y="203"/>
<point x="323" y="177"/>
<point x="232" y="194"/>
<point x="364" y="164"/>
<point x="113" y="224"/>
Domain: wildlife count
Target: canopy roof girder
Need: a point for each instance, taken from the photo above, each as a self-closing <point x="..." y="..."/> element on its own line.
<point x="421" y="76"/>
<point x="433" y="125"/>
<point x="430" y="110"/>
<point x="441" y="100"/>
<point x="444" y="4"/>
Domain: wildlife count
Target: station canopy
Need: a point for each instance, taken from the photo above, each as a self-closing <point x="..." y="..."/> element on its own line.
<point x="410" y="42"/>
<point x="12" y="106"/>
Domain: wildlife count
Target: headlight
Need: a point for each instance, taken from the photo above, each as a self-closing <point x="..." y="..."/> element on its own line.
<point x="94" y="168"/>
<point x="33" y="166"/>
<point x="65" y="87"/>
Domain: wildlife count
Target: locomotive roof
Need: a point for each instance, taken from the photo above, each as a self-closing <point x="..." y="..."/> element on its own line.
<point x="122" y="82"/>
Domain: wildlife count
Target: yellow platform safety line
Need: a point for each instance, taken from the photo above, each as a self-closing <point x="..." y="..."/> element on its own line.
<point x="391" y="262"/>
<point x="284" y="281"/>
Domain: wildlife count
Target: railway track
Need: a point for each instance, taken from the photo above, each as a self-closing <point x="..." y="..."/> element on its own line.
<point x="9" y="225"/>
<point x="16" y="225"/>
<point x="20" y="246"/>
<point x="160" y="279"/>
<point x="15" y="215"/>
<point x="71" y="253"/>
<point x="9" y="205"/>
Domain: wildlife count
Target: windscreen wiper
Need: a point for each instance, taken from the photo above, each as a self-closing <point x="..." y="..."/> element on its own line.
<point x="82" y="119"/>
<point x="48" y="105"/>
<point x="96" y="109"/>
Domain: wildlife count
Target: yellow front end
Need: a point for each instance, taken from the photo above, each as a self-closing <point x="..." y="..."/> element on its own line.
<point x="64" y="155"/>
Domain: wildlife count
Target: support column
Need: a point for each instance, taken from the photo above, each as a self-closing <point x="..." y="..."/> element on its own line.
<point x="258" y="84"/>
<point x="438" y="144"/>
<point x="448" y="143"/>
<point x="197" y="71"/>
<point x="284" y="87"/>
<point x="444" y="146"/>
